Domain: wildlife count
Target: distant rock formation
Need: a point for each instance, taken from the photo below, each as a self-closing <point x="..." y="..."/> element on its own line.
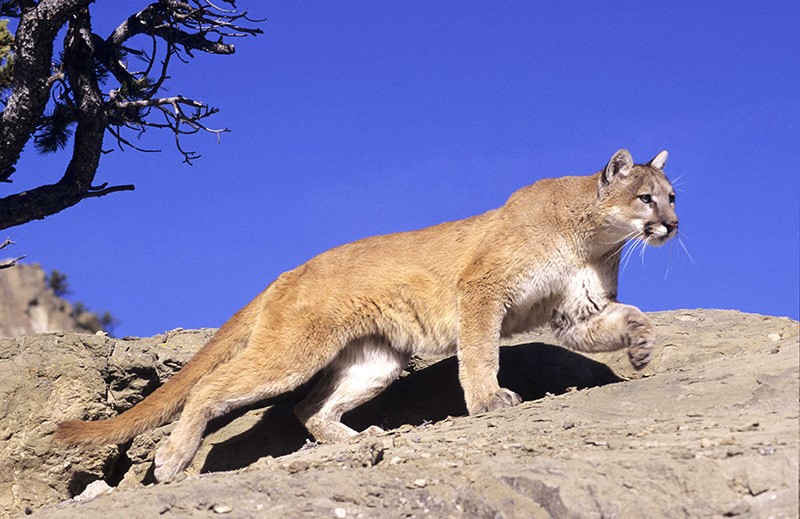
<point x="28" y="305"/>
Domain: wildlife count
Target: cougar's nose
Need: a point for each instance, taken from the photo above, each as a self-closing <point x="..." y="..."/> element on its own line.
<point x="672" y="225"/>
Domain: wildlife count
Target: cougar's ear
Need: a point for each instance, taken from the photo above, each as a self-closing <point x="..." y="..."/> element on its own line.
<point x="619" y="165"/>
<point x="659" y="160"/>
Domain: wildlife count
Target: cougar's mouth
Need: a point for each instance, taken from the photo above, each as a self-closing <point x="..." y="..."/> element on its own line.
<point x="657" y="233"/>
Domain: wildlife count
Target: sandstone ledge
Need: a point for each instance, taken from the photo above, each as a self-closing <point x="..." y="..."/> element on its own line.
<point x="710" y="428"/>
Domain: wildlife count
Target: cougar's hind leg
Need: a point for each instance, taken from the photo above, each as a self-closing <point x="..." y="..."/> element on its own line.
<point x="358" y="373"/>
<point x="246" y="379"/>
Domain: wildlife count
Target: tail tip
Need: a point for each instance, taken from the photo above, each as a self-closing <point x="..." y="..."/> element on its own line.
<point x="69" y="432"/>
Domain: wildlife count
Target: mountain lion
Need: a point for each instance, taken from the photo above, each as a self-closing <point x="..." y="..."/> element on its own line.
<point x="550" y="255"/>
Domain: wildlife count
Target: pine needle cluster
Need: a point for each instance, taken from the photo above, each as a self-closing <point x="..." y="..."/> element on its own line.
<point x="6" y="56"/>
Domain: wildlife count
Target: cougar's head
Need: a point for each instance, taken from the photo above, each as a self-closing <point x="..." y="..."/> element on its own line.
<point x="637" y="200"/>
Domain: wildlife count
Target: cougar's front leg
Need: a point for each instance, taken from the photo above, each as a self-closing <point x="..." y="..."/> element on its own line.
<point x="480" y="319"/>
<point x="616" y="326"/>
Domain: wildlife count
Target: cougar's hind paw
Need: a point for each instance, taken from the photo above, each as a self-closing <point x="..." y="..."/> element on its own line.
<point x="168" y="463"/>
<point x="501" y="399"/>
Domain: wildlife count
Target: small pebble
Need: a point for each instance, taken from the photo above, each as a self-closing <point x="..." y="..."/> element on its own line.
<point x="421" y="483"/>
<point x="222" y="509"/>
<point x="749" y="427"/>
<point x="341" y="513"/>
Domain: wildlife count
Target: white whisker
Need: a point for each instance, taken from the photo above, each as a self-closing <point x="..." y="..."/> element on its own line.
<point x="625" y="256"/>
<point x="618" y="250"/>
<point x="678" y="182"/>
<point x="669" y="259"/>
<point x="625" y="242"/>
<point x="635" y="243"/>
<point x="686" y="251"/>
<point x="623" y="239"/>
<point x="643" y="248"/>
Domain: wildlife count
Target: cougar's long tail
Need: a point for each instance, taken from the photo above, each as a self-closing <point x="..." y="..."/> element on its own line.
<point x="166" y="401"/>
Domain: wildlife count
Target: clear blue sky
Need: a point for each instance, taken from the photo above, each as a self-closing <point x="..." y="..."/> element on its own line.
<point x="358" y="118"/>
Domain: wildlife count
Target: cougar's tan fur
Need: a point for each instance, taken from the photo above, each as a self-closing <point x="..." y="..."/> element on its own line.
<point x="548" y="256"/>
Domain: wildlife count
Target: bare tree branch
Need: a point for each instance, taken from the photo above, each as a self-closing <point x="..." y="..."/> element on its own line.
<point x="102" y="190"/>
<point x="10" y="263"/>
<point x="176" y="120"/>
<point x="164" y="18"/>
<point x="172" y="101"/>
<point x="123" y="142"/>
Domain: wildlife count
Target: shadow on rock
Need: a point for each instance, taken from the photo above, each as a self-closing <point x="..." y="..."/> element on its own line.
<point x="428" y="395"/>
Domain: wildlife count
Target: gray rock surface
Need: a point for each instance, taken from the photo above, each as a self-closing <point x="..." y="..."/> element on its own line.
<point x="47" y="378"/>
<point x="709" y="429"/>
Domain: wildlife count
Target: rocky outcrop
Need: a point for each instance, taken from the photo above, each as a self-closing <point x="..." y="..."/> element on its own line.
<point x="28" y="305"/>
<point x="710" y="428"/>
<point x="47" y="378"/>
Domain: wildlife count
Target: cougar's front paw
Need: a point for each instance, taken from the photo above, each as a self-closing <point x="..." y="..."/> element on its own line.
<point x="501" y="399"/>
<point x="641" y="339"/>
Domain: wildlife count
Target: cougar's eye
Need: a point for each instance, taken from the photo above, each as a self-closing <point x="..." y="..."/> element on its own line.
<point x="672" y="198"/>
<point x="646" y="198"/>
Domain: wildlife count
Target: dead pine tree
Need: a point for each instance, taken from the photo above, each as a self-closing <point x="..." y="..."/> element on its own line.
<point x="97" y="88"/>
